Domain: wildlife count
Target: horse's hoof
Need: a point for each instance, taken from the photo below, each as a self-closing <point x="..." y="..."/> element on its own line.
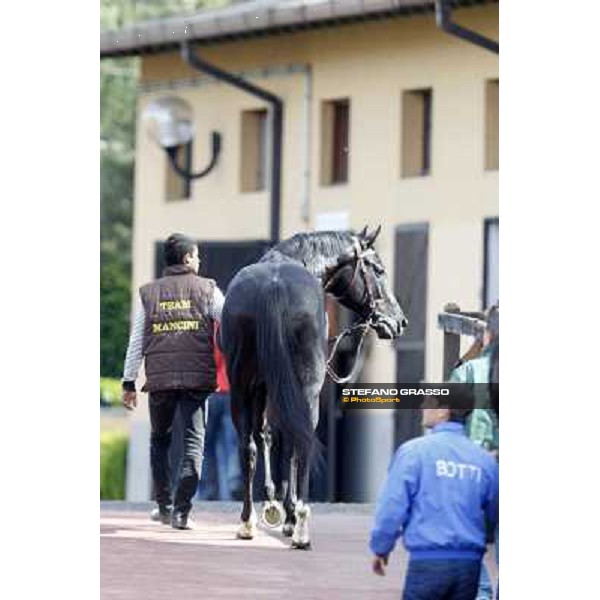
<point x="246" y="531"/>
<point x="301" y="546"/>
<point x="272" y="514"/>
<point x="244" y="536"/>
<point x="288" y="529"/>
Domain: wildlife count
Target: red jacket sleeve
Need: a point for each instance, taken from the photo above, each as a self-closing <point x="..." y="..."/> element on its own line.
<point x="222" y="381"/>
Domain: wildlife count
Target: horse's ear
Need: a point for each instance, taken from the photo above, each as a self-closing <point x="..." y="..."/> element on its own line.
<point x="363" y="234"/>
<point x="370" y="239"/>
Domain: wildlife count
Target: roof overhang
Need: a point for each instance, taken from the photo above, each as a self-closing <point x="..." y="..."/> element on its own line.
<point x="254" y="19"/>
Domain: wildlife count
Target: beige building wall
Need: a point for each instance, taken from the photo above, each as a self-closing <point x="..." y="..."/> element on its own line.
<point x="372" y="64"/>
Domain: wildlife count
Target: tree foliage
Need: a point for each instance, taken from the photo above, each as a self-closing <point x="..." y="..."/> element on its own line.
<point x="114" y="317"/>
<point x="118" y="96"/>
<point x="117" y="135"/>
<point x="115" y="14"/>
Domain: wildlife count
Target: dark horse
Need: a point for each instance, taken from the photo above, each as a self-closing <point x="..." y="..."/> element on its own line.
<point x="274" y="338"/>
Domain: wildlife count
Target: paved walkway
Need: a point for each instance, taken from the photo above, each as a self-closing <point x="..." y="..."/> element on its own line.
<point x="146" y="561"/>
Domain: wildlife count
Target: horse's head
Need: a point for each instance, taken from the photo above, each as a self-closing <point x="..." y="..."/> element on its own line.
<point x="359" y="282"/>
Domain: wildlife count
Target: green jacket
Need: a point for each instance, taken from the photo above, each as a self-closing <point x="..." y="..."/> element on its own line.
<point x="482" y="425"/>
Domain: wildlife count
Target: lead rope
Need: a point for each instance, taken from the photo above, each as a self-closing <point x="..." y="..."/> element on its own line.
<point x="338" y="339"/>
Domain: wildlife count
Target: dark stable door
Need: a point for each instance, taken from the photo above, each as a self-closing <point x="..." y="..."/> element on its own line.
<point x="410" y="287"/>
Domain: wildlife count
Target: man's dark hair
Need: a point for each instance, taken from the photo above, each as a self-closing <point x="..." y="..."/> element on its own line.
<point x="176" y="247"/>
<point x="459" y="415"/>
<point x="459" y="403"/>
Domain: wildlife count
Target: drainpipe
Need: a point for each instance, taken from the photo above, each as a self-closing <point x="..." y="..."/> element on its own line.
<point x="443" y="15"/>
<point x="306" y="151"/>
<point x="192" y="59"/>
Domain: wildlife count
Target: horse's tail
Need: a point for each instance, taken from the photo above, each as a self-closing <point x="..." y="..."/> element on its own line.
<point x="287" y="407"/>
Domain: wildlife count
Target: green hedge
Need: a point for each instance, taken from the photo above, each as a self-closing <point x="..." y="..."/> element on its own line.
<point x="113" y="460"/>
<point x="110" y="390"/>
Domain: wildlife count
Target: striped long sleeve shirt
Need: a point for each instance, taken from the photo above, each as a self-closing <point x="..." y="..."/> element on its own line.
<point x="134" y="356"/>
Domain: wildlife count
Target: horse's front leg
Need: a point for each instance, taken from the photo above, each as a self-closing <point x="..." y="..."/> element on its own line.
<point x="247" y="528"/>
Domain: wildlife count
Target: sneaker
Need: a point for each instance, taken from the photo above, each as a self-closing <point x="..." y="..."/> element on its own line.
<point x="182" y="521"/>
<point x="162" y="514"/>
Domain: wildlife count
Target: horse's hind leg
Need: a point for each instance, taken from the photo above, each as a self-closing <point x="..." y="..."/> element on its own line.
<point x="263" y="438"/>
<point x="266" y="439"/>
<point x="247" y="527"/>
<point x="301" y="535"/>
<point x="272" y="512"/>
<point x="290" y="491"/>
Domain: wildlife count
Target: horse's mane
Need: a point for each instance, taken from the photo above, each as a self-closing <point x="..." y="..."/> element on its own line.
<point x="316" y="251"/>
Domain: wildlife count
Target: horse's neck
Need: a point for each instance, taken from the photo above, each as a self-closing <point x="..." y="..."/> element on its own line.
<point x="321" y="266"/>
<point x="275" y="256"/>
<point x="318" y="263"/>
<point x="317" y="268"/>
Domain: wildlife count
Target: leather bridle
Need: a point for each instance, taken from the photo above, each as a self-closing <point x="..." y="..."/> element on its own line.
<point x="360" y="257"/>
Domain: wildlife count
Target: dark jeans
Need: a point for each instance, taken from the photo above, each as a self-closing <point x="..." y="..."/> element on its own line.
<point x="442" y="580"/>
<point x="188" y="406"/>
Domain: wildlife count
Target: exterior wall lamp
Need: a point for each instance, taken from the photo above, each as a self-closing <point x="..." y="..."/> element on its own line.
<point x="169" y="122"/>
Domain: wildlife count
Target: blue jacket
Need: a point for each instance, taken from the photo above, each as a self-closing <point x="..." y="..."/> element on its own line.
<point x="439" y="489"/>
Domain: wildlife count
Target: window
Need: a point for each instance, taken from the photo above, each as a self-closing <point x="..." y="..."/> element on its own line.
<point x="177" y="187"/>
<point x="335" y="141"/>
<point x="491" y="125"/>
<point x="416" y="133"/>
<point x="254" y="148"/>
